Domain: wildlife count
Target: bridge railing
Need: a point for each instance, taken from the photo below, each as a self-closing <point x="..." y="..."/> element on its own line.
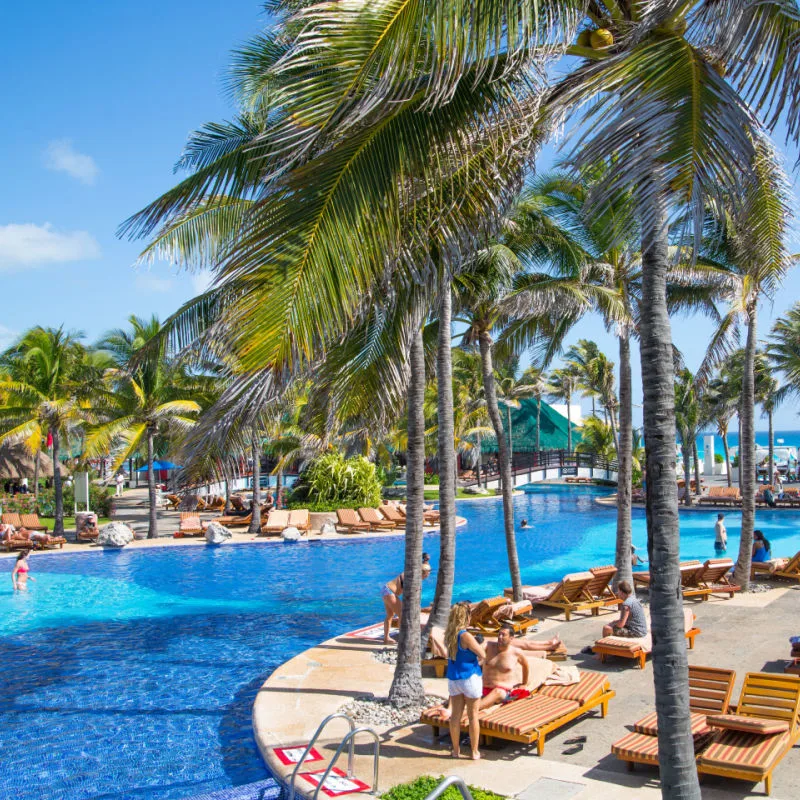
<point x="566" y="461"/>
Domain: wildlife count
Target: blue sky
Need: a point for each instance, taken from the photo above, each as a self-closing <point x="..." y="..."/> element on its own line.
<point x="100" y="102"/>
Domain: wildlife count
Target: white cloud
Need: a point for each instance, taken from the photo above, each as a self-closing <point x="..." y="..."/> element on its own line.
<point x="29" y="244"/>
<point x="202" y="280"/>
<point x="61" y="156"/>
<point x="150" y="283"/>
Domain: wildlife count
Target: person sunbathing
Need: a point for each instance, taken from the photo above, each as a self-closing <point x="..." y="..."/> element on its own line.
<point x="505" y="662"/>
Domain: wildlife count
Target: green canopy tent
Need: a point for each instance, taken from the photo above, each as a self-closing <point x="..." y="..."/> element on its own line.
<point x="553" y="434"/>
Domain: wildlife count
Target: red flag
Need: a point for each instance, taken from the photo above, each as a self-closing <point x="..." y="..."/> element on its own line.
<point x="49" y="439"/>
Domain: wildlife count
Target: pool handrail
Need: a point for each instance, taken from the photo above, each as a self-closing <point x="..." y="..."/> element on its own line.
<point x="314" y="738"/>
<point x="453" y="780"/>
<point x="349" y="739"/>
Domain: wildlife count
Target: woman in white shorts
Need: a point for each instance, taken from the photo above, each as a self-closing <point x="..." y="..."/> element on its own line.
<point x="464" y="677"/>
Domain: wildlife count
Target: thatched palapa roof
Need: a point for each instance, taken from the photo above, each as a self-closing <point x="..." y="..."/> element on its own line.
<point x="16" y="461"/>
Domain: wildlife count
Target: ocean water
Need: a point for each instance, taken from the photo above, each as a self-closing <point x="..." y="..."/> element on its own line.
<point x="130" y="675"/>
<point x="790" y="439"/>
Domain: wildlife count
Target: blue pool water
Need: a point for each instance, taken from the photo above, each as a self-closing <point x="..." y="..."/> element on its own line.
<point x="132" y="674"/>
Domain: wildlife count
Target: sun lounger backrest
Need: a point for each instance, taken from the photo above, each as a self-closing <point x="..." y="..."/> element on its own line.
<point x="482" y="612"/>
<point x="770" y="696"/>
<point x="391" y="513"/>
<point x="793" y="565"/>
<point x="370" y="515"/>
<point x="30" y="521"/>
<point x="602" y="577"/>
<point x="279" y="518"/>
<point x="572" y="587"/>
<point x="715" y="569"/>
<point x="299" y="517"/>
<point x="710" y="689"/>
<point x="690" y="574"/>
<point x="12" y="518"/>
<point x="348" y="516"/>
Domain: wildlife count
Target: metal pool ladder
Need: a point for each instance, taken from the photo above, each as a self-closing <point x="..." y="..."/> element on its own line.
<point x="349" y="740"/>
<point x="453" y="780"/>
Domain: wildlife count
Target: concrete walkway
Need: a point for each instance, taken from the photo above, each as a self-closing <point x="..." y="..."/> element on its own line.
<point x="747" y="633"/>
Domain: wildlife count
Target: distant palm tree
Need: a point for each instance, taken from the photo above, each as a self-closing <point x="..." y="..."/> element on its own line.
<point x="562" y="385"/>
<point x="145" y="397"/>
<point x="596" y="437"/>
<point x="581" y="355"/>
<point x="688" y="420"/>
<point x="720" y="399"/>
<point x="44" y="396"/>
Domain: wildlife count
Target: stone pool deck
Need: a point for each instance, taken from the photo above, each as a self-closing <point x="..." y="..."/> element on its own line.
<point x="747" y="633"/>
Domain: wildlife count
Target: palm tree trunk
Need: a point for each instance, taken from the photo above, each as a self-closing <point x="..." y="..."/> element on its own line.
<point x="479" y="464"/>
<point x="678" y="769"/>
<point x="687" y="471"/>
<point x="446" y="458"/>
<point x="622" y="558"/>
<point x="696" y="464"/>
<point x="727" y="456"/>
<point x="36" y="468"/>
<point x="739" y="415"/>
<point x="255" y="522"/>
<point x="227" y="492"/>
<point x="771" y="445"/>
<point x="152" y="531"/>
<point x="278" y="487"/>
<point x="406" y="686"/>
<point x="569" y="423"/>
<point x="507" y="482"/>
<point x="510" y="441"/>
<point x="538" y="422"/>
<point x="614" y="434"/>
<point x="747" y="472"/>
<point x="58" y="491"/>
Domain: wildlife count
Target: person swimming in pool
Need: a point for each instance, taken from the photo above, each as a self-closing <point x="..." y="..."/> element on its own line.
<point x="21" y="572"/>
<point x="391" y="593"/>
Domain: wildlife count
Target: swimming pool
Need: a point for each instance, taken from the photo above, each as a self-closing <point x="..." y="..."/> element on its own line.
<point x="131" y="674"/>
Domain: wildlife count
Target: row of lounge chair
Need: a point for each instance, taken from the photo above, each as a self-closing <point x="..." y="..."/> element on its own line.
<point x="731" y="496"/>
<point x="699" y="579"/>
<point x="29" y="534"/>
<point x="275" y="523"/>
<point x="747" y="744"/>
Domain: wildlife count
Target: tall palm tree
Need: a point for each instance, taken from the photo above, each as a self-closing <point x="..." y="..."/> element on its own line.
<point x="563" y="384"/>
<point x="337" y="146"/>
<point x="746" y="251"/>
<point x="720" y="399"/>
<point x="145" y="398"/>
<point x="510" y="390"/>
<point x="44" y="396"/>
<point x="783" y="350"/>
<point x="688" y="418"/>
<point x="767" y="392"/>
<point x="581" y="355"/>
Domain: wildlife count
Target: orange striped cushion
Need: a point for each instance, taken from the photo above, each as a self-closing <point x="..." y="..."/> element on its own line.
<point x="649" y="725"/>
<point x="527" y="715"/>
<point x="637" y="747"/>
<point x="745" y="751"/>
<point x="590" y="684"/>
<point x="621" y="642"/>
<point x="190" y="523"/>
<point x="430" y="716"/>
<point x="735" y="722"/>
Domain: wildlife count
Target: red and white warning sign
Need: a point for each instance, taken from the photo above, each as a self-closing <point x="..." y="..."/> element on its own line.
<point x="337" y="783"/>
<point x="291" y="755"/>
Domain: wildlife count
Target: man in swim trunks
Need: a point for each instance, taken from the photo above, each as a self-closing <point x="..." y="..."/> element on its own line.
<point x="500" y="672"/>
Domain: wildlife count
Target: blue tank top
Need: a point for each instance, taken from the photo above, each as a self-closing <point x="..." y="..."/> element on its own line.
<point x="465" y="664"/>
<point x="761" y="555"/>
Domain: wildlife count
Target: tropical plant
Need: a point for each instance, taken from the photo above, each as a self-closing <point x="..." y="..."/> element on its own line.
<point x="783" y="351"/>
<point x="596" y="437"/>
<point x="44" y="385"/>
<point x="720" y="399"/>
<point x="147" y="394"/>
<point x="332" y="481"/>
<point x="562" y="385"/>
<point x="581" y="355"/>
<point x="688" y="420"/>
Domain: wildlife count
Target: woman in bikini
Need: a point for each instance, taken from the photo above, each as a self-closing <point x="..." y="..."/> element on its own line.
<point x="19" y="576"/>
<point x="391" y="593"/>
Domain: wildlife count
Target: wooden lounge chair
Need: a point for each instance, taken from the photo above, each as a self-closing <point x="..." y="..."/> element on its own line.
<point x="569" y="595"/>
<point x="375" y="521"/>
<point x="277" y="521"/>
<point x="714" y="577"/>
<point x="234" y="521"/>
<point x="348" y="521"/>
<point x="599" y="588"/>
<point x="749" y="744"/>
<point x="237" y="502"/>
<point x="639" y="649"/>
<point x="688" y="571"/>
<point x="484" y="616"/>
<point x="12" y="518"/>
<point x="392" y="513"/>
<point x="32" y="523"/>
<point x="788" y="569"/>
<point x="546" y="710"/>
<point x="709" y="693"/>
<point x="190" y="525"/>
<point x="172" y="502"/>
<point x="19" y="541"/>
<point x="217" y="503"/>
<point x="300" y="518"/>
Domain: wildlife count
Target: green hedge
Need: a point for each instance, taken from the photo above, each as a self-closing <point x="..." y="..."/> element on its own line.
<point x="425" y="784"/>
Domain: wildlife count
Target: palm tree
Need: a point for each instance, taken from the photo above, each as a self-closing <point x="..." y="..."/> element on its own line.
<point x="144" y="399"/>
<point x="688" y="420"/>
<point x="596" y="437"/>
<point x="510" y="390"/>
<point x="471" y="420"/>
<point x="746" y="251"/>
<point x="44" y="396"/>
<point x="563" y="384"/>
<point x="370" y="93"/>
<point x="783" y="350"/>
<point x="720" y="401"/>
<point x="767" y="392"/>
<point x="581" y="355"/>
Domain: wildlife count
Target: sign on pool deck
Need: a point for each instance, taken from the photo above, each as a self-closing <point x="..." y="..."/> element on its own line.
<point x="337" y="783"/>
<point x="291" y="755"/>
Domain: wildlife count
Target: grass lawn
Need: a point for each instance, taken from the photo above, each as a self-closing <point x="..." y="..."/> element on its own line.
<point x="433" y="494"/>
<point x="69" y="522"/>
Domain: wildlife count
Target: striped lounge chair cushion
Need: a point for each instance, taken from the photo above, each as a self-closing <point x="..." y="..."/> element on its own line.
<point x="649" y="725"/>
<point x="523" y="716"/>
<point x="747" y="752"/>
<point x="735" y="722"/>
<point x="624" y="643"/>
<point x="637" y="747"/>
<point x="431" y="716"/>
<point x="590" y="685"/>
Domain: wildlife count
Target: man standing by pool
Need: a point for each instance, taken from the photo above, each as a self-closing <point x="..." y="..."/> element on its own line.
<point x="720" y="534"/>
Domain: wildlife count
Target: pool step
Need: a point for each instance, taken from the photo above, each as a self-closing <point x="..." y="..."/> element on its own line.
<point x="268" y="789"/>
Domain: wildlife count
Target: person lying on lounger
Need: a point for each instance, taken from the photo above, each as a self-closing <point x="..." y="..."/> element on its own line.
<point x="504" y="660"/>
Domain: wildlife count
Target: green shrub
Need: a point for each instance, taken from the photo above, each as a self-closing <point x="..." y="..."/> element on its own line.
<point x="718" y="459"/>
<point x="101" y="500"/>
<point x="432" y="479"/>
<point x="331" y="481"/>
<point x="425" y="784"/>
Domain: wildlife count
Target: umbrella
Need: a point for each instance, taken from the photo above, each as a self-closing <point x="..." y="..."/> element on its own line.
<point x="159" y="465"/>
